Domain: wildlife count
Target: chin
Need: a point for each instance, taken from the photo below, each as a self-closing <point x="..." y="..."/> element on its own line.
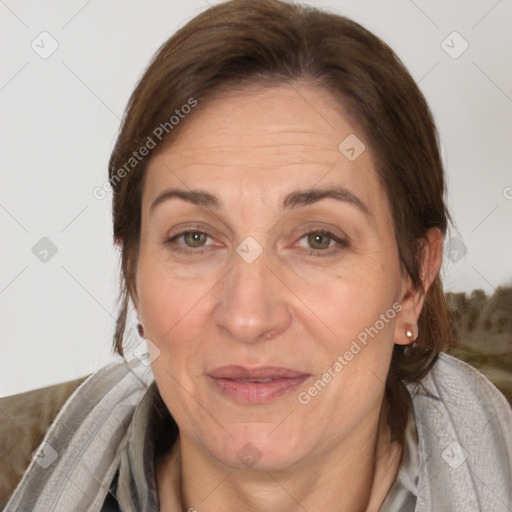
<point x="257" y="447"/>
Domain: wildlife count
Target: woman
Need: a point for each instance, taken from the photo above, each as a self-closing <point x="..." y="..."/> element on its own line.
<point x="278" y="201"/>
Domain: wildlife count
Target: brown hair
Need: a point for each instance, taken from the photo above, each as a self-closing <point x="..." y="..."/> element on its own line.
<point x="270" y="41"/>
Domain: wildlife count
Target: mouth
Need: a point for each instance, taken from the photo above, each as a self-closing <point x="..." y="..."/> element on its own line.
<point x="256" y="385"/>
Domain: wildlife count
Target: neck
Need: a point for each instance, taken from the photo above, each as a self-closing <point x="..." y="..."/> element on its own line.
<point x="354" y="476"/>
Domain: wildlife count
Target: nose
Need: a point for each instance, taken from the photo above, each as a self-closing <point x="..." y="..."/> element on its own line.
<point x="253" y="305"/>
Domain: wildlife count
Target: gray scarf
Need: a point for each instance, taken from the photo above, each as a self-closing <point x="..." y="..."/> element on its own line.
<point x="464" y="427"/>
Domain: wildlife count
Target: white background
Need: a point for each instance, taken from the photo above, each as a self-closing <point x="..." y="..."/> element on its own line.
<point x="60" y="117"/>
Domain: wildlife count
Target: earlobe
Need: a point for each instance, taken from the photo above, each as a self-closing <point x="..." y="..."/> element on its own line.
<point x="411" y="332"/>
<point x="406" y="326"/>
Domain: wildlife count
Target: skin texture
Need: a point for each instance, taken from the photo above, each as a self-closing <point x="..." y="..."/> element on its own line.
<point x="287" y="308"/>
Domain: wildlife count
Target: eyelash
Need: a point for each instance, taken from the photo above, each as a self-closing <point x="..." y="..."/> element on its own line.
<point x="342" y="243"/>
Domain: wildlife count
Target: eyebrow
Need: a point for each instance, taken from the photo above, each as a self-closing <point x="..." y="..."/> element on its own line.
<point x="313" y="195"/>
<point x="292" y="200"/>
<point x="197" y="197"/>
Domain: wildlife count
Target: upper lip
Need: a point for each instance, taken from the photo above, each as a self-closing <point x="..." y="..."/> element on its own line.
<point x="261" y="372"/>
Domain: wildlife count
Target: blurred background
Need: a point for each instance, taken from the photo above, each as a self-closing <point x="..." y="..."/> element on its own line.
<point x="67" y="71"/>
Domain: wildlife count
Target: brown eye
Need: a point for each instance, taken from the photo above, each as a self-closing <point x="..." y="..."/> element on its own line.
<point x="322" y="243"/>
<point x="189" y="242"/>
<point x="194" y="238"/>
<point x="319" y="240"/>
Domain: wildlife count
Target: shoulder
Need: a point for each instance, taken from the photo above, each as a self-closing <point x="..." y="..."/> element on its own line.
<point x="464" y="442"/>
<point x="462" y="396"/>
<point x="103" y="404"/>
<point x="24" y="420"/>
<point x="457" y="381"/>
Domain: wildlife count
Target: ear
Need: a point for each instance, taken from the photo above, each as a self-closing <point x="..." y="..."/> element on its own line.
<point x="412" y="299"/>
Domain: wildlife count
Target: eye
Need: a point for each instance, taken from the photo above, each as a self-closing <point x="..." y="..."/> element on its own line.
<point x="323" y="242"/>
<point x="192" y="239"/>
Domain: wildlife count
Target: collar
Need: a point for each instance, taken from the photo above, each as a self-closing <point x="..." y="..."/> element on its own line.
<point x="152" y="432"/>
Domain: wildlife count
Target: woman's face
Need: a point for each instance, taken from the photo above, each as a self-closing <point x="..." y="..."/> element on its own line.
<point x="249" y="271"/>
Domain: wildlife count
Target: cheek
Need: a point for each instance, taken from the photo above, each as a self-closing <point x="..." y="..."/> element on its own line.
<point x="354" y="362"/>
<point x="349" y="295"/>
<point x="165" y="300"/>
<point x="354" y="316"/>
<point x="174" y="312"/>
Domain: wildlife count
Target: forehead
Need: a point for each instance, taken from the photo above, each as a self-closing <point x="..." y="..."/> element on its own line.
<point x="264" y="140"/>
<point x="271" y="119"/>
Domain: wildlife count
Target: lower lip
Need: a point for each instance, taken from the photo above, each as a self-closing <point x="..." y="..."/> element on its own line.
<point x="257" y="392"/>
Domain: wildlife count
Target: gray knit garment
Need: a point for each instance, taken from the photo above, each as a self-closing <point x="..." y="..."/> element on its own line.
<point x="462" y="458"/>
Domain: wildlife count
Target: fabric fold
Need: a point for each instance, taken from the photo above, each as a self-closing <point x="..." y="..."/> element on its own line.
<point x="461" y="460"/>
